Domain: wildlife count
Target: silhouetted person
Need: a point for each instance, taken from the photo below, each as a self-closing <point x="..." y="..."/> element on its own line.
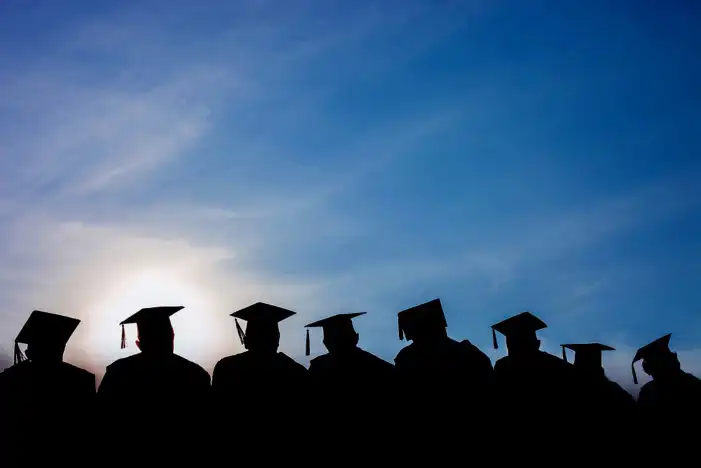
<point x="534" y="387"/>
<point x="599" y="401"/>
<point x="344" y="373"/>
<point x="155" y="395"/>
<point x="247" y="386"/>
<point x="443" y="380"/>
<point x="46" y="402"/>
<point x="673" y="395"/>
<point x="345" y="360"/>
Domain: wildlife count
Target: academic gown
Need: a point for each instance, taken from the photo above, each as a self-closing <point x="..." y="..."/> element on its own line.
<point x="259" y="398"/>
<point x="602" y="401"/>
<point x="45" y="410"/>
<point x="534" y="393"/>
<point x="669" y="411"/>
<point x="443" y="385"/>
<point x="352" y="388"/>
<point x="454" y="369"/>
<point x="605" y="405"/>
<point x="157" y="400"/>
<point x="675" y="399"/>
<point x="356" y="368"/>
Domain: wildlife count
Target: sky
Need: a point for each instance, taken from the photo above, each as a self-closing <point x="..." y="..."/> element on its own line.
<point x="335" y="157"/>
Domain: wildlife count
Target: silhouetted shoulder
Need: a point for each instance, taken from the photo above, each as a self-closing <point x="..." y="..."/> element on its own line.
<point x="190" y="367"/>
<point x="474" y="352"/>
<point x="502" y="364"/>
<point x="555" y="364"/>
<point x="16" y="370"/>
<point x="650" y="391"/>
<point x="245" y="361"/>
<point x="544" y="360"/>
<point x="553" y="360"/>
<point x="693" y="380"/>
<point x="124" y="364"/>
<point x="647" y="392"/>
<point x="620" y="393"/>
<point x="25" y="371"/>
<point x="232" y="362"/>
<point x="78" y="373"/>
<point x="375" y="361"/>
<point x="140" y="362"/>
<point x="405" y="355"/>
<point x="361" y="359"/>
<point x="467" y="346"/>
<point x="287" y="361"/>
<point x="323" y="362"/>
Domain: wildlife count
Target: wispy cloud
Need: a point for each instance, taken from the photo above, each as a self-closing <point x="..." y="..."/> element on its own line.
<point x="540" y="237"/>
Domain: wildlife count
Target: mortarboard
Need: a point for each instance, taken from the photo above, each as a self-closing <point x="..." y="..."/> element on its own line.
<point x="150" y="317"/>
<point x="522" y="324"/>
<point x="589" y="352"/>
<point x="260" y="314"/>
<point x="331" y="324"/>
<point x="658" y="347"/>
<point x="45" y="327"/>
<point x="414" y="318"/>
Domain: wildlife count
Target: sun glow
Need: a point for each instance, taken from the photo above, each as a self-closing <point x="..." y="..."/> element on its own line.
<point x="195" y="327"/>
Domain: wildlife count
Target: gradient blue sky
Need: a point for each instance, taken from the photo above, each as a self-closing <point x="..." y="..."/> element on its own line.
<point x="339" y="156"/>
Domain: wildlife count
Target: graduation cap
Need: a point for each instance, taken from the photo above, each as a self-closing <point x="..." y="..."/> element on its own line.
<point x="261" y="315"/>
<point x="331" y="325"/>
<point x="523" y="324"/>
<point x="658" y="347"/>
<point x="150" y="318"/>
<point x="427" y="314"/>
<point x="45" y="328"/>
<point x="589" y="353"/>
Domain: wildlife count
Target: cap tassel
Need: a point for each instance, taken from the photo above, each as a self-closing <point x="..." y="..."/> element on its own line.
<point x="401" y="333"/>
<point x="635" y="376"/>
<point x="307" y="348"/>
<point x="239" y="330"/>
<point x="564" y="354"/>
<point x="494" y="339"/>
<point x="19" y="356"/>
<point x="124" y="338"/>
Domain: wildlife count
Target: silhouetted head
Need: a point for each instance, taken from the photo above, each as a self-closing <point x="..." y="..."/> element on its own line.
<point x="659" y="361"/>
<point x="46" y="336"/>
<point x="659" y="367"/>
<point x="521" y="345"/>
<point x="423" y="323"/>
<point x="520" y="332"/>
<point x="262" y="337"/>
<point x="262" y="334"/>
<point x="339" y="334"/>
<point x="587" y="357"/>
<point x="159" y="339"/>
<point x="155" y="331"/>
<point x="45" y="353"/>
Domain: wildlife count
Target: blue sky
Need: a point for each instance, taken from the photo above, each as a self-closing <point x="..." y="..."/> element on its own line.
<point x="340" y="156"/>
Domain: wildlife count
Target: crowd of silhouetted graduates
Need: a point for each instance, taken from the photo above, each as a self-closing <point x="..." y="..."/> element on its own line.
<point x="441" y="401"/>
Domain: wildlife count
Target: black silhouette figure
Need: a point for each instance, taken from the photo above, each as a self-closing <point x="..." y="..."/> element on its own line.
<point x="345" y="360"/>
<point x="672" y="395"/>
<point x="599" y="400"/>
<point x="346" y="371"/>
<point x="46" y="402"/>
<point x="443" y="380"/>
<point x="247" y="386"/>
<point x="532" y="385"/>
<point x="155" y="392"/>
